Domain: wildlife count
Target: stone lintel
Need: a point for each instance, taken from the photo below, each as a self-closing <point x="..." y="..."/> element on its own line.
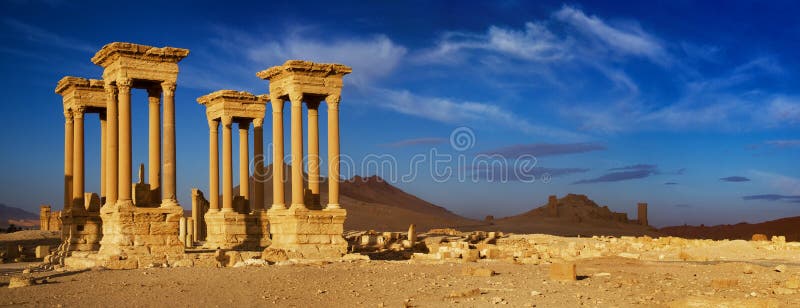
<point x="139" y="63"/>
<point x="305" y="77"/>
<point x="78" y="92"/>
<point x="235" y="104"/>
<point x="113" y="51"/>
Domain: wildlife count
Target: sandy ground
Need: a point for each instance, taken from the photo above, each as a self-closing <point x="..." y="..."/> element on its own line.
<point x="402" y="283"/>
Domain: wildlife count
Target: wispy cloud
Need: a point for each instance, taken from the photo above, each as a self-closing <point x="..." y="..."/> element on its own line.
<point x="629" y="40"/>
<point x="786" y="185"/>
<point x="623" y="173"/>
<point x="509" y="173"/>
<point x="671" y="183"/>
<point x="546" y="149"/>
<point x="458" y="112"/>
<point x="42" y="36"/>
<point x="416" y="142"/>
<point x="787" y="143"/>
<point x="774" y="197"/>
<point x="735" y="178"/>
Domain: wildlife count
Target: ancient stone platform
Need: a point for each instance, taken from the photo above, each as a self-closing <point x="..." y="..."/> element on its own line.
<point x="316" y="234"/>
<point x="232" y="230"/>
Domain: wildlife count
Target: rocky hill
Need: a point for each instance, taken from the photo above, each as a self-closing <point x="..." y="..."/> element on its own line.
<point x="789" y="227"/>
<point x="17" y="216"/>
<point x="572" y="215"/>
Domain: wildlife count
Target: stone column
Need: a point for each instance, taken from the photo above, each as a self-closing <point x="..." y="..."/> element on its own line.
<point x="227" y="165"/>
<point x="168" y="190"/>
<point x="297" y="150"/>
<point x="112" y="149"/>
<point x="154" y="157"/>
<point x="213" y="166"/>
<point x="77" y="162"/>
<point x="103" y="137"/>
<point x="278" y="200"/>
<point x="333" y="151"/>
<point x="313" y="153"/>
<point x="68" y="151"/>
<point x="124" y="109"/>
<point x="257" y="204"/>
<point x="244" y="159"/>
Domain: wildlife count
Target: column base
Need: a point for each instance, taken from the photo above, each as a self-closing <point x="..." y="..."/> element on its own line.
<point x="149" y="235"/>
<point x="332" y="206"/>
<point x="316" y="234"/>
<point x="81" y="231"/>
<point x="232" y="230"/>
<point x="166" y="203"/>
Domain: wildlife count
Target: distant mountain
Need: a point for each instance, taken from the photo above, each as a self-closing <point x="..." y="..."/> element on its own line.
<point x="17" y="216"/>
<point x="373" y="203"/>
<point x="789" y="227"/>
<point x="572" y="215"/>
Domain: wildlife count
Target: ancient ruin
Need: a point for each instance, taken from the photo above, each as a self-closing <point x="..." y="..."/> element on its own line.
<point x="48" y="219"/>
<point x="310" y="230"/>
<point x="242" y="221"/>
<point x="133" y="224"/>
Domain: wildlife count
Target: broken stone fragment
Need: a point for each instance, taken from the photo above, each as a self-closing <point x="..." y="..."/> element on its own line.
<point x="563" y="271"/>
<point x="20" y="281"/>
<point x="477" y="272"/>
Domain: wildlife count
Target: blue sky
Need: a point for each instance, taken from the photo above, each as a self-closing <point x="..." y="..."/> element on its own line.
<point x="693" y="108"/>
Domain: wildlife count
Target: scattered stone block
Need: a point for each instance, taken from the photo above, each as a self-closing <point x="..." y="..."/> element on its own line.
<point x="20" y="281"/>
<point x="783" y="291"/>
<point x="274" y="255"/>
<point x="780" y="268"/>
<point x="477" y="272"/>
<point x="758" y="237"/>
<point x="465" y="293"/>
<point x="42" y="251"/>
<point x="563" y="271"/>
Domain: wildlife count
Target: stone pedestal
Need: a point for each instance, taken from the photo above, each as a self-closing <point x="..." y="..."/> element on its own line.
<point x="315" y="234"/>
<point x="232" y="230"/>
<point x="146" y="234"/>
<point x="82" y="231"/>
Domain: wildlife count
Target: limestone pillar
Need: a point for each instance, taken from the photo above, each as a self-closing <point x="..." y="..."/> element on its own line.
<point x="278" y="200"/>
<point x="227" y="165"/>
<point x="313" y="154"/>
<point x="154" y="157"/>
<point x="168" y="190"/>
<point x="112" y="148"/>
<point x="213" y="165"/>
<point x="244" y="159"/>
<point x="103" y="152"/>
<point x="68" y="149"/>
<point x="257" y="204"/>
<point x="333" y="151"/>
<point x="77" y="161"/>
<point x="297" y="150"/>
<point x="124" y="139"/>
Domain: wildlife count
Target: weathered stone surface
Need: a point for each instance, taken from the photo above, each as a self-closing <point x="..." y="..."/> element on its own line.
<point x="563" y="271"/>
<point x="759" y="237"/>
<point x="724" y="283"/>
<point x="20" y="281"/>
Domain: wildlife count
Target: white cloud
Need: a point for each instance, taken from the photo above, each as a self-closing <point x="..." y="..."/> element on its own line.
<point x="783" y="184"/>
<point x="533" y="43"/>
<point x="461" y="112"/>
<point x="628" y="41"/>
<point x="783" y="110"/>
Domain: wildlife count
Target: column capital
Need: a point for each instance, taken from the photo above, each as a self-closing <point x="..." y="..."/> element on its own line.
<point x="78" y="112"/>
<point x="226" y="121"/>
<point x="68" y="115"/>
<point x="296" y="98"/>
<point x="333" y="100"/>
<point x="258" y="122"/>
<point x="124" y="85"/>
<point x="110" y="88"/>
<point x="277" y="104"/>
<point x="213" y="124"/>
<point x="168" y="87"/>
